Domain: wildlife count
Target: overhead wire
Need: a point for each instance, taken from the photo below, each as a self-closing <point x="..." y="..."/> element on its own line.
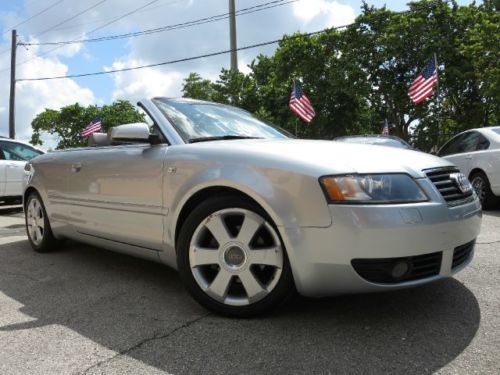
<point x="98" y="28"/>
<point x="111" y="71"/>
<point x="219" y="17"/>
<point x="27" y="20"/>
<point x="34" y="15"/>
<point x="214" y="18"/>
<point x="72" y="17"/>
<point x="100" y="20"/>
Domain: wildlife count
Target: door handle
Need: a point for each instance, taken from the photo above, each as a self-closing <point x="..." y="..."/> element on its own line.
<point x="468" y="157"/>
<point x="75" y="168"/>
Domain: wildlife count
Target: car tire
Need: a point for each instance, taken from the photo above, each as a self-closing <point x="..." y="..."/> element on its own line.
<point x="232" y="260"/>
<point x="481" y="185"/>
<point x="38" y="227"/>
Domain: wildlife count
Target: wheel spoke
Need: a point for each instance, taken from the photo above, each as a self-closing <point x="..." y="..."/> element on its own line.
<point x="270" y="256"/>
<point x="201" y="256"/>
<point x="218" y="288"/>
<point x="38" y="232"/>
<point x="32" y="233"/>
<point x="217" y="227"/>
<point x="252" y="286"/>
<point x="250" y="226"/>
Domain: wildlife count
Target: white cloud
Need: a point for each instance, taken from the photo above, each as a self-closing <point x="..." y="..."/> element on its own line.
<point x="334" y="13"/>
<point x="32" y="97"/>
<point x="136" y="84"/>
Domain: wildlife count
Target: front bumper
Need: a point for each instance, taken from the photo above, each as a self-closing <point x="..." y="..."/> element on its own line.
<point x="321" y="258"/>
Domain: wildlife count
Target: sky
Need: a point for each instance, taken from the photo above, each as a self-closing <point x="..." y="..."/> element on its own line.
<point x="61" y="22"/>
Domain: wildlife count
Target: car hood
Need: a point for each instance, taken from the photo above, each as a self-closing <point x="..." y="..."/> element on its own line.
<point x="322" y="157"/>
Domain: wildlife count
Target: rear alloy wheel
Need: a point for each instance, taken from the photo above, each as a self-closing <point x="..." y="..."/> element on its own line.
<point x="481" y="185"/>
<point x="37" y="225"/>
<point x="231" y="258"/>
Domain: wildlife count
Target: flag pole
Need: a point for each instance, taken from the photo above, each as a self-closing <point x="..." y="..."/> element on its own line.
<point x="438" y="102"/>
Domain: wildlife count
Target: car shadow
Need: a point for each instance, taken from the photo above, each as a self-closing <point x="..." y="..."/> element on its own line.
<point x="9" y="210"/>
<point x="141" y="310"/>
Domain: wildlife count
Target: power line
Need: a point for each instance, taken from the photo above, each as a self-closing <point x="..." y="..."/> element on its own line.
<point x="174" y="61"/>
<point x="98" y="28"/>
<point x="126" y="15"/>
<point x="33" y="16"/>
<point x="27" y="20"/>
<point x="97" y="21"/>
<point x="71" y="18"/>
<point x="218" y="17"/>
<point x="257" y="8"/>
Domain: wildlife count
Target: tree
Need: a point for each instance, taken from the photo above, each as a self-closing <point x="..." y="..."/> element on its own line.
<point x="198" y="88"/>
<point x="69" y="121"/>
<point x="359" y="76"/>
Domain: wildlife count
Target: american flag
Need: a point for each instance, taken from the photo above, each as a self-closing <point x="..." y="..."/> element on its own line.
<point x="94" y="126"/>
<point x="300" y="105"/>
<point x="421" y="87"/>
<point x="385" y="129"/>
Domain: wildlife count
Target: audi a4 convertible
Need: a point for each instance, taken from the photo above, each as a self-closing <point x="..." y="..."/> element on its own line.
<point x="249" y="215"/>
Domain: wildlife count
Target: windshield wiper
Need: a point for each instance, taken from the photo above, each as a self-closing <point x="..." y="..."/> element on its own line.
<point x="220" y="138"/>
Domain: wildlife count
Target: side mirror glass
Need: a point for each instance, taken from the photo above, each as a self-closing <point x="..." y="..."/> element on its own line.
<point x="137" y="132"/>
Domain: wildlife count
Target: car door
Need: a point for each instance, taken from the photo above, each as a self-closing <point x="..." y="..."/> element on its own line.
<point x="3" y="173"/>
<point x="14" y="157"/>
<point x="460" y="150"/>
<point x="116" y="193"/>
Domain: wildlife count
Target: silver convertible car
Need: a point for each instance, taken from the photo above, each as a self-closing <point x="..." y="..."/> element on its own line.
<point x="248" y="215"/>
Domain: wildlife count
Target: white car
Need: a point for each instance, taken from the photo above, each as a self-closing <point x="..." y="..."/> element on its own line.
<point x="13" y="157"/>
<point x="476" y="153"/>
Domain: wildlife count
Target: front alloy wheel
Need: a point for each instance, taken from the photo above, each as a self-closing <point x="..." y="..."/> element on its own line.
<point x="35" y="221"/>
<point x="38" y="226"/>
<point x="232" y="259"/>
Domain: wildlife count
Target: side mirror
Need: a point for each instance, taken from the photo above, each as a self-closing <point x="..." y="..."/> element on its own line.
<point x="137" y="132"/>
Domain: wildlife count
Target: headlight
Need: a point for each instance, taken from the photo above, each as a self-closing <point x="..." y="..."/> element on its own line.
<point x="372" y="188"/>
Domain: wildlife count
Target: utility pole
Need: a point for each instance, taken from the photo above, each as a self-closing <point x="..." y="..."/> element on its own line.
<point x="12" y="99"/>
<point x="232" y="36"/>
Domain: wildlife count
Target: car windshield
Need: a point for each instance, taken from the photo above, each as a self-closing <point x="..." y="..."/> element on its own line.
<point x="197" y="121"/>
<point x="379" y="141"/>
<point x="17" y="151"/>
<point x="496" y="130"/>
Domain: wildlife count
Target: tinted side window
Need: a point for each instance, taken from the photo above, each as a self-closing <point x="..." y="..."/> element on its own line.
<point x="452" y="146"/>
<point x="17" y="151"/>
<point x="483" y="143"/>
<point x="469" y="142"/>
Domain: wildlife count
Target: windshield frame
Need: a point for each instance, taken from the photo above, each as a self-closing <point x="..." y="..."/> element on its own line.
<point x="166" y="120"/>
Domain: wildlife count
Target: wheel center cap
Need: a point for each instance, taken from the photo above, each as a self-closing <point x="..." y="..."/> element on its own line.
<point x="234" y="256"/>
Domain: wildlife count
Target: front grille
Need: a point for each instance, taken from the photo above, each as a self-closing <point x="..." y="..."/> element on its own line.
<point x="462" y="254"/>
<point x="386" y="271"/>
<point x="448" y="187"/>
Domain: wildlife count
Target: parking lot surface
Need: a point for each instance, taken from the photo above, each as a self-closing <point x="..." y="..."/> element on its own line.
<point x="84" y="310"/>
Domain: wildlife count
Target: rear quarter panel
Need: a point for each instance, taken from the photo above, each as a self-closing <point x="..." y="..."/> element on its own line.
<point x="489" y="162"/>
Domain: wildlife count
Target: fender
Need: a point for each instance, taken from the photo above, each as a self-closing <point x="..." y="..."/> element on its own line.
<point x="276" y="191"/>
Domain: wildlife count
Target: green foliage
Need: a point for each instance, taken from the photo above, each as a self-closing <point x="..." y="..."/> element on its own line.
<point x="69" y="121"/>
<point x="359" y="76"/>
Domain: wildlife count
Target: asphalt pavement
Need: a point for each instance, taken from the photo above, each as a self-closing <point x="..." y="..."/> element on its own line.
<point x="84" y="310"/>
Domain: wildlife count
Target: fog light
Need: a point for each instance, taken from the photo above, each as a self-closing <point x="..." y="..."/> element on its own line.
<point x="400" y="269"/>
